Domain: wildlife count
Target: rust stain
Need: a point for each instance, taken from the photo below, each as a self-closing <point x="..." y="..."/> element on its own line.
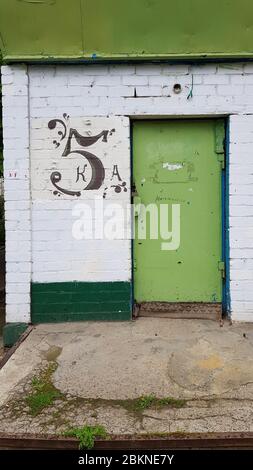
<point x="212" y="362"/>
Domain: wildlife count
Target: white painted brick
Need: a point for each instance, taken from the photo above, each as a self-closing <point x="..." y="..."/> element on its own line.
<point x="42" y="112"/>
<point x="161" y="80"/>
<point x="21" y="235"/>
<point x="240" y="178"/>
<point x="98" y="91"/>
<point x="225" y="103"/>
<point x="135" y="80"/>
<point x="86" y="101"/>
<point x="16" y="184"/>
<point x="243" y="306"/>
<point x="17" y="299"/>
<point x="12" y="90"/>
<point x="244" y="253"/>
<point x="10" y="111"/>
<point x="241" y="264"/>
<point x="14" y="133"/>
<point x="216" y="79"/>
<point x="241" y="79"/>
<point x="204" y="90"/>
<point x="11" y="144"/>
<point x="7" y="79"/>
<point x="175" y="69"/>
<point x="14" y="101"/>
<point x="44" y="91"/>
<point x="18" y="313"/>
<point x="243" y="274"/>
<point x="80" y="80"/>
<point x="6" y="70"/>
<point x="241" y="222"/>
<point x="17" y="193"/>
<point x="39" y="102"/>
<point x="18" y="256"/>
<point x="18" y="289"/>
<point x="231" y="90"/>
<point x="148" y="91"/>
<point x="107" y="80"/>
<point x="22" y="206"/>
<point x="20" y="215"/>
<point x="241" y="210"/>
<point x="17" y="246"/>
<point x="72" y="91"/>
<point x="242" y="316"/>
<point x="16" y="278"/>
<point x="241" y="189"/>
<point x="120" y="91"/>
<point x="248" y="90"/>
<point x="12" y="121"/>
<point x="144" y="69"/>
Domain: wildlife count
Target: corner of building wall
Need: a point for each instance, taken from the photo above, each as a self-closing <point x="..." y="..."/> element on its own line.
<point x="15" y="90"/>
<point x="240" y="217"/>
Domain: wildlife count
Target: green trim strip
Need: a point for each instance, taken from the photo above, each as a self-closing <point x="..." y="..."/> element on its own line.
<point x="78" y="301"/>
<point x="129" y="58"/>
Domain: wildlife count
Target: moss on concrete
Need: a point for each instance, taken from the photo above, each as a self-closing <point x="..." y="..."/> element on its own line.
<point x="41" y="397"/>
<point x="148" y="401"/>
<point x="43" y="393"/>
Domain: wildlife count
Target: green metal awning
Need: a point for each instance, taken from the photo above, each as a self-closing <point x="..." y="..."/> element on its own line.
<point x="60" y="30"/>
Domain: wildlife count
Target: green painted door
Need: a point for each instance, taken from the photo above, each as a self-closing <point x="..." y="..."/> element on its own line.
<point x="177" y="167"/>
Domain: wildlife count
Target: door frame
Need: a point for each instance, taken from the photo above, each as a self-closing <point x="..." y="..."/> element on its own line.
<point x="225" y="249"/>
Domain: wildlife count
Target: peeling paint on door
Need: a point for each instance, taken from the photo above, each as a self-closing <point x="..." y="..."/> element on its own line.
<point x="172" y="166"/>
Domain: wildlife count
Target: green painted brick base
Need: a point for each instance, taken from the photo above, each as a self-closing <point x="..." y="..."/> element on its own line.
<point x="80" y="301"/>
<point x="12" y="332"/>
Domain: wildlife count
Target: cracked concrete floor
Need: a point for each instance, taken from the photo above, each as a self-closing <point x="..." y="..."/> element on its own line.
<point x="101" y="367"/>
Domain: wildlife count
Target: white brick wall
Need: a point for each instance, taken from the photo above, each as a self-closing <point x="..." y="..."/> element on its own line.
<point x="118" y="90"/>
<point x="140" y="90"/>
<point x="241" y="216"/>
<point x="57" y="255"/>
<point x="17" y="192"/>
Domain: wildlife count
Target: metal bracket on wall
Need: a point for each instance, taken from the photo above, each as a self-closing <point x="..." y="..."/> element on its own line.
<point x="221" y="267"/>
<point x="220" y="142"/>
<point x="221" y="159"/>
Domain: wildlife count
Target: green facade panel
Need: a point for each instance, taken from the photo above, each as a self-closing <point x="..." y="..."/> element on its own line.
<point x="78" y="301"/>
<point x="12" y="333"/>
<point x="125" y="29"/>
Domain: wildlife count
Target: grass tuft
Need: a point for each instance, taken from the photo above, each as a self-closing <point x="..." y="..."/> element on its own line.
<point x="86" y="435"/>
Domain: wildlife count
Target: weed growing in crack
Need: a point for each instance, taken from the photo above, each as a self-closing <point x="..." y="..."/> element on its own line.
<point x="86" y="435"/>
<point x="147" y="401"/>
